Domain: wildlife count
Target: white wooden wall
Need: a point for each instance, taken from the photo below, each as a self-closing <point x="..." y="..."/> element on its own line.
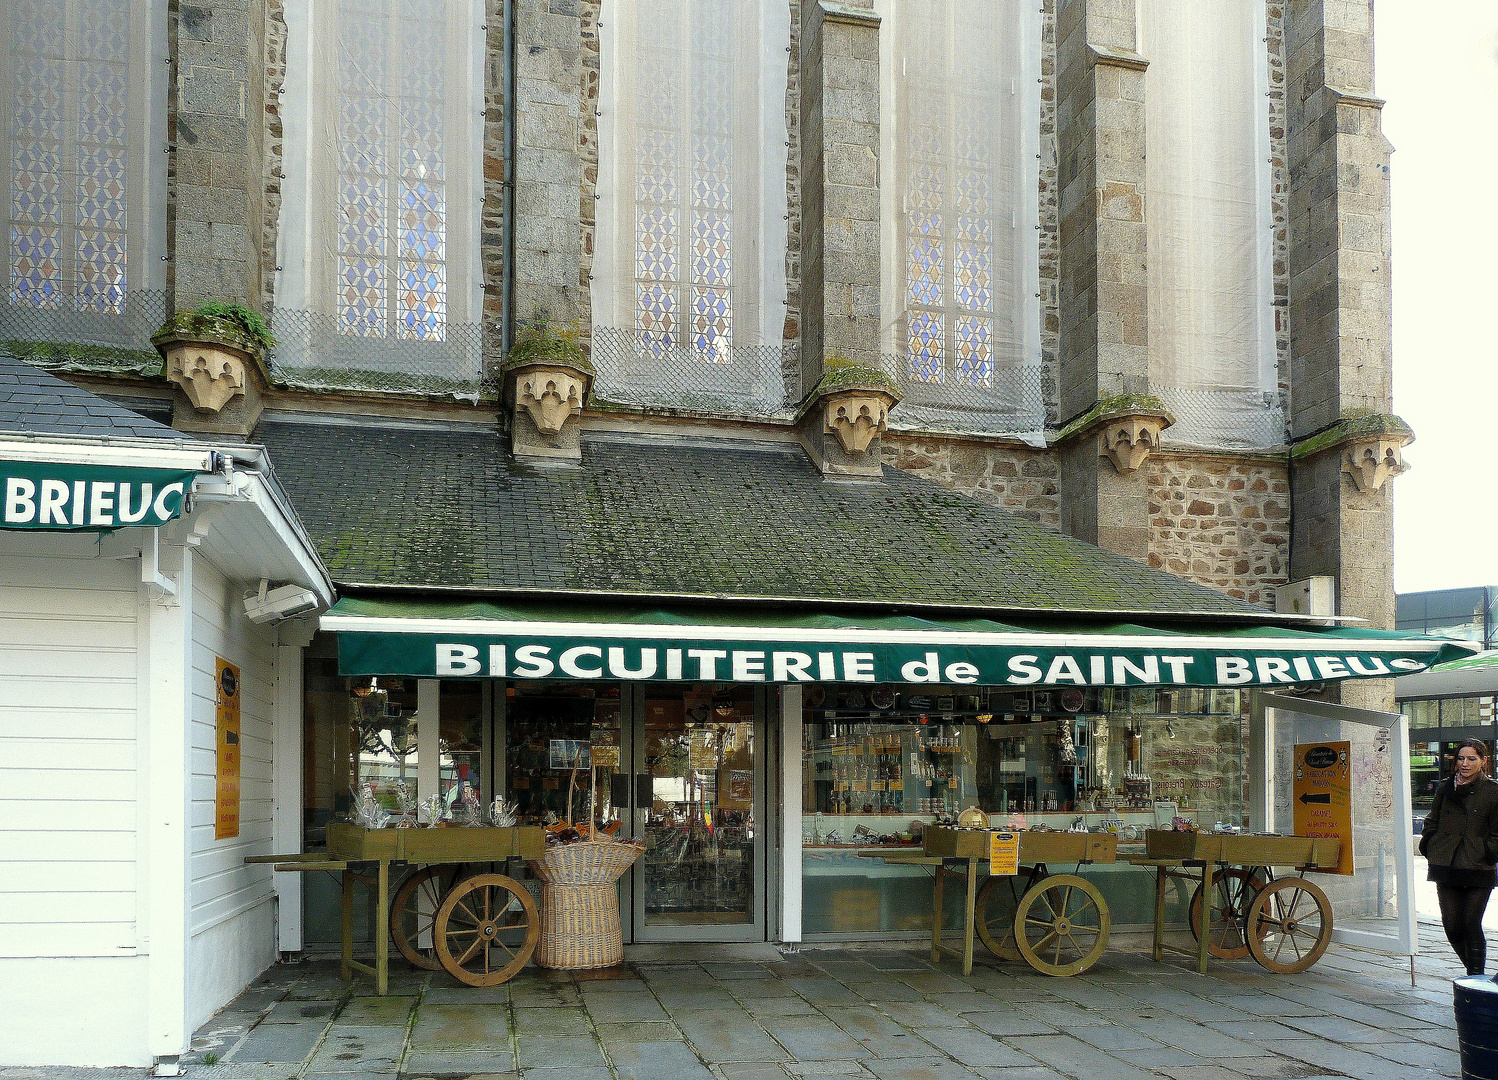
<point x="70" y="807"/>
<point x="231" y="918"/>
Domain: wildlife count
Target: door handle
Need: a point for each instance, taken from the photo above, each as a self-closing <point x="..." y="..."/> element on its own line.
<point x="643" y="792"/>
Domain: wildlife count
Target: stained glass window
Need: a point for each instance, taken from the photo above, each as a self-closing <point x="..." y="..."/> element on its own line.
<point x="392" y="192"/>
<point x="684" y="180"/>
<point x="69" y="117"/>
<point x="962" y="179"/>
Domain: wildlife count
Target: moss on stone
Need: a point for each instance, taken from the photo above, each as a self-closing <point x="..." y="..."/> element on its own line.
<point x="227" y="324"/>
<point x="1360" y="424"/>
<point x="84" y="358"/>
<point x="1110" y="407"/>
<point x="541" y="341"/>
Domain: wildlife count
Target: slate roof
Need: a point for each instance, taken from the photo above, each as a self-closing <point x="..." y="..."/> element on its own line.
<point x="449" y="508"/>
<point x="31" y="400"/>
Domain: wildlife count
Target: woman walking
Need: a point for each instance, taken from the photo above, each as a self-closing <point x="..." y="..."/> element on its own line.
<point x="1460" y="842"/>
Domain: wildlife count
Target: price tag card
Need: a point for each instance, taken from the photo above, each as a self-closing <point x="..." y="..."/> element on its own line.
<point x="1003" y="853"/>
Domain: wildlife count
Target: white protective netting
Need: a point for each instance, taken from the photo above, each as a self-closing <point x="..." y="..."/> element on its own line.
<point x="380" y="280"/>
<point x="82" y="107"/>
<point x="1207" y="174"/>
<point x="959" y="178"/>
<point x="689" y="288"/>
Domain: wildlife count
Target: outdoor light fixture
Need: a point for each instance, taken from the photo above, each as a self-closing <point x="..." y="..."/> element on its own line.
<point x="272" y="605"/>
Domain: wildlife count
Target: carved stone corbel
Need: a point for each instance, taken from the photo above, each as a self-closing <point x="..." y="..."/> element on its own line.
<point x="1128" y="429"/>
<point x="219" y="367"/>
<point x="843" y="418"/>
<point x="1128" y="440"/>
<point x="208" y="373"/>
<point x="547" y="379"/>
<point x="1369" y="445"/>
<point x="1372" y="462"/>
<point x="551" y="396"/>
<point x="856" y="418"/>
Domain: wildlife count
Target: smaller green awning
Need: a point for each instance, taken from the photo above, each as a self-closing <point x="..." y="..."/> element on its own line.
<point x="460" y="639"/>
<point x="88" y="497"/>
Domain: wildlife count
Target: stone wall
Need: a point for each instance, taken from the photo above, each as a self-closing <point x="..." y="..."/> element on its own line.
<point x="1049" y="225"/>
<point x="216" y="216"/>
<point x="272" y="166"/>
<point x="1014" y="477"/>
<point x="1279" y="179"/>
<point x="492" y="226"/>
<point x="791" y="334"/>
<point x="1221" y="521"/>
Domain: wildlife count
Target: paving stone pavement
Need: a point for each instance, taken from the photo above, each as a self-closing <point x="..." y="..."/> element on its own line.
<point x="871" y="1012"/>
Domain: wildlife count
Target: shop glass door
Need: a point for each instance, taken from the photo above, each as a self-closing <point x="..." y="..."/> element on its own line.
<point x="698" y="762"/>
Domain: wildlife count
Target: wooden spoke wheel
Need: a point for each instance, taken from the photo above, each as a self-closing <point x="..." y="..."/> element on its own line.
<point x="413" y="914"/>
<point x="1289" y="925"/>
<point x="1061" y="925"/>
<point x="486" y="929"/>
<point x="998" y="899"/>
<point x="1233" y="890"/>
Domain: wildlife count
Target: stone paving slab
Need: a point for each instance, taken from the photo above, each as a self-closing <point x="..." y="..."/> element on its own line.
<point x="876" y="1013"/>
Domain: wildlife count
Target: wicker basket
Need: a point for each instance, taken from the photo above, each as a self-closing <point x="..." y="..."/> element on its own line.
<point x="580" y="905"/>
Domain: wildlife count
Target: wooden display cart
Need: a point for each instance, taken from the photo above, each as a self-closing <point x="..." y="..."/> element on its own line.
<point x="480" y="927"/>
<point x="1056" y="923"/>
<point x="1239" y="908"/>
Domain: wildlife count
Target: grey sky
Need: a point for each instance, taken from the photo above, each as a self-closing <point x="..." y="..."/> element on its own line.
<point x="1437" y="65"/>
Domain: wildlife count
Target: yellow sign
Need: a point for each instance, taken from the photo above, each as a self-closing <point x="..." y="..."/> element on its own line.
<point x="1323" y="794"/>
<point x="1003" y="853"/>
<point x="226" y="746"/>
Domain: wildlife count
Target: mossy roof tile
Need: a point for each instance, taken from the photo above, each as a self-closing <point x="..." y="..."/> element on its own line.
<point x="450" y="508"/>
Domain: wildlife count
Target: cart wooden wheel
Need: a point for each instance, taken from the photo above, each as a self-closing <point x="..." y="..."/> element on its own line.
<point x="413" y="914"/>
<point x="1233" y="890"/>
<point x="486" y="929"/>
<point x="1061" y="925"/>
<point x="1289" y="925"/>
<point x="998" y="899"/>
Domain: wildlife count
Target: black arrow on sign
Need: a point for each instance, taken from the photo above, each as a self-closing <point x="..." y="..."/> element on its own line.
<point x="1324" y="797"/>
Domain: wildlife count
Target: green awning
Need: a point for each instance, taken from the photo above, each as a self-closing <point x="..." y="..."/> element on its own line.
<point x="471" y="639"/>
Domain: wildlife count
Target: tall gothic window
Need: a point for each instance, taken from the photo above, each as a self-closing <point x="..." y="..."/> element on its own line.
<point x="960" y="121"/>
<point x="962" y="183"/>
<point x="689" y="272"/>
<point x="1209" y="225"/>
<point x="81" y="103"/>
<point x="384" y="129"/>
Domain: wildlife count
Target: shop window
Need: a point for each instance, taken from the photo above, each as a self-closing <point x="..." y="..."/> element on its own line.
<point x="1459" y="712"/>
<point x="959" y="180"/>
<point x="81" y="235"/>
<point x="552" y="731"/>
<point x="1422" y="714"/>
<point x="879" y="764"/>
<point x="379" y="272"/>
<point x="689" y="278"/>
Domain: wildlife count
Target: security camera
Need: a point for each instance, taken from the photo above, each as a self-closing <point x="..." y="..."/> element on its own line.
<point x="272" y="605"/>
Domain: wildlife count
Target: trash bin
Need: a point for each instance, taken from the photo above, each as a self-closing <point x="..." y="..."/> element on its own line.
<point x="1476" y="1002"/>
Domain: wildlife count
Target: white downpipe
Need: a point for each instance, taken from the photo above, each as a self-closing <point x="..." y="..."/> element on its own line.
<point x="168" y="840"/>
<point x="286" y="782"/>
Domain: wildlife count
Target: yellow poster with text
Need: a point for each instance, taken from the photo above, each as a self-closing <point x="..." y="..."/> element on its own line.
<point x="1003" y="853"/>
<point x="226" y="799"/>
<point x="1322" y="794"/>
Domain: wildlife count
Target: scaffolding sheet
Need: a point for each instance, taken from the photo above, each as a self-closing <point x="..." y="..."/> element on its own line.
<point x="1209" y="223"/>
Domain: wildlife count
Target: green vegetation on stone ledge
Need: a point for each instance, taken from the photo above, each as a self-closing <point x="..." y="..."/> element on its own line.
<point x="1118" y="405"/>
<point x="234" y="324"/>
<point x="79" y="357"/>
<point x="1353" y="425"/>
<point x="540" y="341"/>
<point x="840" y="373"/>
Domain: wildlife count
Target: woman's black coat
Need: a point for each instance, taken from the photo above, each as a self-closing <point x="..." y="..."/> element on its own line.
<point x="1461" y="830"/>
